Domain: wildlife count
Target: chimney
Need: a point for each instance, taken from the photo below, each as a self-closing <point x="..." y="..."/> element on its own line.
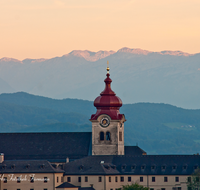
<point x="1" y="157"/>
<point x="67" y="159"/>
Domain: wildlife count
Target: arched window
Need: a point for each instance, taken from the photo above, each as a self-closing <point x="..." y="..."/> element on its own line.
<point x="101" y="136"/>
<point x="108" y="136"/>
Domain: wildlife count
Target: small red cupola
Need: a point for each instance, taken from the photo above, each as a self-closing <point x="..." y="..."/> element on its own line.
<point x="108" y="103"/>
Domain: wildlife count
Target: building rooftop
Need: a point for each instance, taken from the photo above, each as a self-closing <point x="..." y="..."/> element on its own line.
<point x="45" y="146"/>
<point x="28" y="166"/>
<point x="134" y="165"/>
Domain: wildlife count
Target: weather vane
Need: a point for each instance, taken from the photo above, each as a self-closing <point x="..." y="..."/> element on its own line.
<point x="108" y="67"/>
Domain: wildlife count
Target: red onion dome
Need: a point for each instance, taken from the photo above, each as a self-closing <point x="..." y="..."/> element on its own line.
<point x="107" y="103"/>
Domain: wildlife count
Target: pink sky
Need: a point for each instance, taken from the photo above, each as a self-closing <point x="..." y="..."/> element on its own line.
<point x="49" y="28"/>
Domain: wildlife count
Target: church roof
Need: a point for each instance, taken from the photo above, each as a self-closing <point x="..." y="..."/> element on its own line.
<point x="133" y="151"/>
<point x="45" y="146"/>
<point x="134" y="165"/>
<point x="54" y="147"/>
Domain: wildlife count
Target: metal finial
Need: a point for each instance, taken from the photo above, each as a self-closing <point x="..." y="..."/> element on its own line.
<point x="108" y="67"/>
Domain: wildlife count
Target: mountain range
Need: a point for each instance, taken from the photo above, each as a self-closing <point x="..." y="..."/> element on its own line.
<point x="156" y="128"/>
<point x="170" y="77"/>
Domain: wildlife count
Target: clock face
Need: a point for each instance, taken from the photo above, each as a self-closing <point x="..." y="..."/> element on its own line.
<point x="105" y="122"/>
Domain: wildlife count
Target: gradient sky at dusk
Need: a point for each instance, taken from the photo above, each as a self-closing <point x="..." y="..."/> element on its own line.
<point x="49" y="28"/>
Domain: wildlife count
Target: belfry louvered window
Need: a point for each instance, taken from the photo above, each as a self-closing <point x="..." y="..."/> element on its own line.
<point x="101" y="136"/>
<point x="108" y="136"/>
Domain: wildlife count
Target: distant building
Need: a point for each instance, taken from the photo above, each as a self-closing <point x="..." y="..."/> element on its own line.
<point x="88" y="161"/>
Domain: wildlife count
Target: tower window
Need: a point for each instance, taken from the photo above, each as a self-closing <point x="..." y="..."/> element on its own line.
<point x="108" y="136"/>
<point x="101" y="136"/>
<point x="120" y="136"/>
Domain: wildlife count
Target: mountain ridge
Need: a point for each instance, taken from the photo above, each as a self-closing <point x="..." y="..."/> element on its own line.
<point x="157" y="128"/>
<point x="95" y="56"/>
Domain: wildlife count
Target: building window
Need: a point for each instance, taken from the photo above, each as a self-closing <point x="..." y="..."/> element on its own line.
<point x="197" y="179"/>
<point x="153" y="179"/>
<point x="151" y="188"/>
<point x="18" y="189"/>
<point x="57" y="179"/>
<point x="179" y="188"/>
<point x="32" y="179"/>
<point x="86" y="179"/>
<point x="79" y="179"/>
<point x="116" y="179"/>
<point x="162" y="188"/>
<point x="189" y="188"/>
<point x="141" y="179"/>
<point x="18" y="179"/>
<point x="129" y="179"/>
<point x="109" y="179"/>
<point x="165" y="179"/>
<point x="189" y="179"/>
<point x="122" y="179"/>
<point x="61" y="179"/>
<point x="5" y="180"/>
<point x="31" y="189"/>
<point x="45" y="189"/>
<point x="120" y="136"/>
<point x="100" y="180"/>
<point x="176" y="179"/>
<point x="68" y="179"/>
<point x="101" y="136"/>
<point x="108" y="136"/>
<point x="45" y="180"/>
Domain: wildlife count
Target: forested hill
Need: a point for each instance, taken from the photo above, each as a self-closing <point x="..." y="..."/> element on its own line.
<point x="157" y="128"/>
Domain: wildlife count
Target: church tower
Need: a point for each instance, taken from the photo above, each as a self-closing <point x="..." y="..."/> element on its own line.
<point x="108" y="123"/>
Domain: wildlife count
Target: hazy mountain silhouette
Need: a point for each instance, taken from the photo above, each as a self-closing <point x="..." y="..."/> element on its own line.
<point x="138" y="76"/>
<point x="157" y="128"/>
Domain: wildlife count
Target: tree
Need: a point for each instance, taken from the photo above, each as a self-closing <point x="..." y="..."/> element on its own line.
<point x="193" y="181"/>
<point x="134" y="186"/>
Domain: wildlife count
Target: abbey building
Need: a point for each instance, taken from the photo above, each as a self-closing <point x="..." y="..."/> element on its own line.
<point x="89" y="160"/>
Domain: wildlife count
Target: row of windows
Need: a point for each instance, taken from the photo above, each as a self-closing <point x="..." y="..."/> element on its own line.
<point x="108" y="136"/>
<point x="30" y="189"/>
<point x="197" y="179"/>
<point x="177" y="188"/>
<point x="153" y="179"/>
<point x="5" y="180"/>
<point x="153" y="167"/>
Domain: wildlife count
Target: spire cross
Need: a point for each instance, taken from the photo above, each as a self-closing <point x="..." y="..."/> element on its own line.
<point x="108" y="67"/>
